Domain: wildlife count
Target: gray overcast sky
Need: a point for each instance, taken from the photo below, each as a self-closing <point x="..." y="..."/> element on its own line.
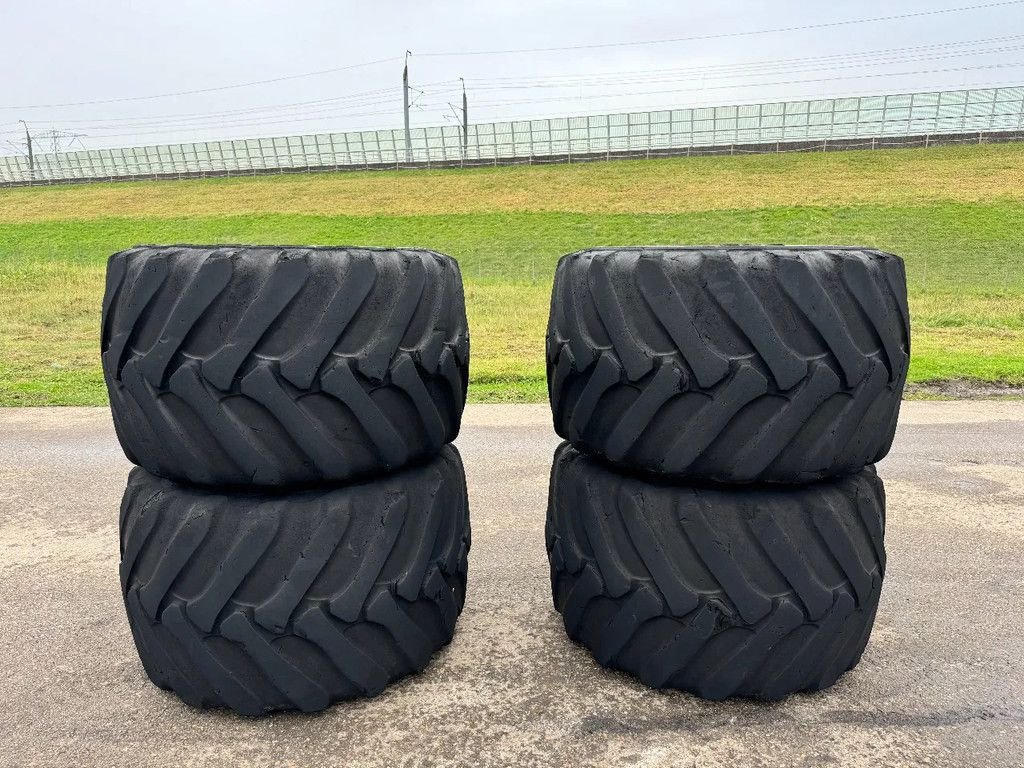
<point x="59" y="51"/>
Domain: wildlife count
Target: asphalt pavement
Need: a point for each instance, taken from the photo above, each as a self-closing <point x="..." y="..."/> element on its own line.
<point x="941" y="682"/>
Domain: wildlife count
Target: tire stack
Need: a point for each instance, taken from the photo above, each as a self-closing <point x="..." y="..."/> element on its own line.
<point x="297" y="529"/>
<point x="715" y="522"/>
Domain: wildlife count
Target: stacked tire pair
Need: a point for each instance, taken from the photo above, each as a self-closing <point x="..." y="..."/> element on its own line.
<point x="297" y="529"/>
<point x="715" y="522"/>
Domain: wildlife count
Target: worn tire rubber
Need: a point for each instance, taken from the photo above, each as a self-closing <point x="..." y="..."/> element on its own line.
<point x="733" y="364"/>
<point x="283" y="366"/>
<point x="756" y="592"/>
<point x="263" y="602"/>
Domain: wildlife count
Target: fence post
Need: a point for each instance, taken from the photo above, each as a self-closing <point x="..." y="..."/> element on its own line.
<point x="334" y="151"/>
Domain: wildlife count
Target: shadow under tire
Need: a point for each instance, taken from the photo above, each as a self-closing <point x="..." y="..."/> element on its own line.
<point x="737" y="364"/>
<point x="283" y="366"/>
<point x="756" y="592"/>
<point x="262" y="602"/>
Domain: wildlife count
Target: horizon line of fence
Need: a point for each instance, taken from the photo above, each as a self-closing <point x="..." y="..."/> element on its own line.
<point x="923" y="114"/>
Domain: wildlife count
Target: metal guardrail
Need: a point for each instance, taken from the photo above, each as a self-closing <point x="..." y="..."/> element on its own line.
<point x="933" y="117"/>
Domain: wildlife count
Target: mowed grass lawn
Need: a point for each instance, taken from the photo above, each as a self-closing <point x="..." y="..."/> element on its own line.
<point x="956" y="215"/>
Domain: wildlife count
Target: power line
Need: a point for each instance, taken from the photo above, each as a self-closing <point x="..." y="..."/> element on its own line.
<point x="859" y="93"/>
<point x="492" y="104"/>
<point x="760" y="62"/>
<point x="302" y="108"/>
<point x="723" y="35"/>
<point x="209" y="90"/>
<point x="760" y="65"/>
<point x="321" y="108"/>
<point x="328" y="108"/>
<point x="239" y="124"/>
<point x="315" y="109"/>
<point x="756" y="85"/>
<point x="588" y="46"/>
<point x="847" y="94"/>
<point x="359" y="99"/>
<point x="533" y="101"/>
<point x="101" y="130"/>
<point x="605" y="80"/>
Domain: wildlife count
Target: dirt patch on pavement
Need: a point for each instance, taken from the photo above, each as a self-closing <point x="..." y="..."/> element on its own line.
<point x="963" y="389"/>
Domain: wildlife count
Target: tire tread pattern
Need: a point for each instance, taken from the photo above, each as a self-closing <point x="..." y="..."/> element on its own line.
<point x="268" y="602"/>
<point x="283" y="367"/>
<point x="757" y="593"/>
<point x="733" y="364"/>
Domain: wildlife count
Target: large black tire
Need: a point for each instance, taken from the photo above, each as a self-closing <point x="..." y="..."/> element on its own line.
<point x="733" y="364"/>
<point x="262" y="602"/>
<point x="283" y="366"/>
<point x="720" y="592"/>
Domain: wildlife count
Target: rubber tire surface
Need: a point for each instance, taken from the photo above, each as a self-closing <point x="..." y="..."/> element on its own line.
<point x="264" y="602"/>
<point x="720" y="592"/>
<point x="733" y="364"/>
<point x="283" y="366"/>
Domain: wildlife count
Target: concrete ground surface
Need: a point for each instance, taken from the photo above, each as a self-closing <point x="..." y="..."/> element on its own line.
<point x="941" y="682"/>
